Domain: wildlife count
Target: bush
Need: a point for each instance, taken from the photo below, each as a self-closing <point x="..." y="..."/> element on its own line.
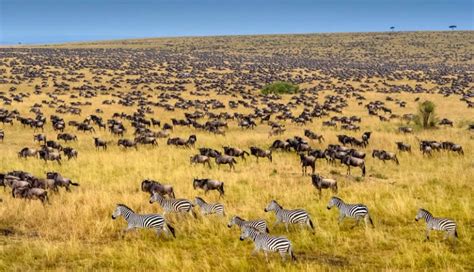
<point x="426" y="117"/>
<point x="280" y="87"/>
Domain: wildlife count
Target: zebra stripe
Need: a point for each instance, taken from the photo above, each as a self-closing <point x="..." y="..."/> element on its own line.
<point x="258" y="224"/>
<point x="297" y="216"/>
<point x="268" y="243"/>
<point x="434" y="223"/>
<point x="356" y="211"/>
<point x="209" y="208"/>
<point x="141" y="221"/>
<point x="173" y="205"/>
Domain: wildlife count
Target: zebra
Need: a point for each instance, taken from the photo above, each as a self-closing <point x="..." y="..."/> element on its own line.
<point x="139" y="221"/>
<point x="258" y="224"/>
<point x="173" y="204"/>
<point x="297" y="216"/>
<point x="266" y="242"/>
<point x="434" y="223"/>
<point x="357" y="211"/>
<point x="209" y="208"/>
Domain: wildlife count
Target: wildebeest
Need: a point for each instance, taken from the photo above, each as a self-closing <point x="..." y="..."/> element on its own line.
<point x="126" y="143"/>
<point x="306" y="161"/>
<point x="70" y="152"/>
<point x="28" y="152"/>
<point x="313" y="136"/>
<point x="384" y="155"/>
<point x="323" y="183"/>
<point x="47" y="155"/>
<point x="2" y="135"/>
<point x="40" y="138"/>
<point x="182" y="142"/>
<point x="66" y="137"/>
<point x="31" y="193"/>
<point x="405" y="130"/>
<point x="100" y="143"/>
<point x="235" y="152"/>
<point x="61" y="181"/>
<point x="200" y="159"/>
<point x="225" y="159"/>
<point x="209" y="152"/>
<point x="260" y="153"/>
<point x="152" y="186"/>
<point x="209" y="184"/>
<point x="403" y="147"/>
<point x="279" y="144"/>
<point x="351" y="161"/>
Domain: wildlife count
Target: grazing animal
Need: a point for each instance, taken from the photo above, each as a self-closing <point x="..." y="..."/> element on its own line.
<point x="127" y="143"/>
<point x="70" y="152"/>
<point x="268" y="243"/>
<point x="313" y="136"/>
<point x="209" y="184"/>
<point x="31" y="193"/>
<point x="50" y="156"/>
<point x="435" y="223"/>
<point x="403" y="147"/>
<point x="356" y="211"/>
<point x="323" y="183"/>
<point x="173" y="205"/>
<point x="225" y="159"/>
<point x="287" y="217"/>
<point x="100" y="143"/>
<point x="2" y="135"/>
<point x="152" y="186"/>
<point x="209" y="152"/>
<point x="200" y="159"/>
<point x="260" y="153"/>
<point x="306" y="161"/>
<point x="28" y="152"/>
<point x="140" y="221"/>
<point x="209" y="208"/>
<point x="385" y="156"/>
<point x="351" y="161"/>
<point x="61" y="181"/>
<point x="258" y="224"/>
<point x="235" y="152"/>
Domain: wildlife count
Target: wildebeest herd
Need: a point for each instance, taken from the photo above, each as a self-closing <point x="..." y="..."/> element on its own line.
<point x="339" y="119"/>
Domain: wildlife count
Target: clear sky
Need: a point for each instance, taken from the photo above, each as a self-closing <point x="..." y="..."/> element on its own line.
<point x="52" y="21"/>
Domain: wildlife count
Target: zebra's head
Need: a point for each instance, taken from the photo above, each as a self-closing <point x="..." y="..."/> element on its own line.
<point x="246" y="232"/>
<point x="422" y="213"/>
<point x="155" y="197"/>
<point x="333" y="202"/>
<point x="272" y="206"/>
<point x="233" y="221"/>
<point x="118" y="211"/>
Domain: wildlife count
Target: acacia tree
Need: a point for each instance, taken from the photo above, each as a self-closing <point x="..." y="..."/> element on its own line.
<point x="426" y="117"/>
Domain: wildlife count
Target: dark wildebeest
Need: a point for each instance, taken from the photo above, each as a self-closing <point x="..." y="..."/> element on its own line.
<point x="146" y="140"/>
<point x="450" y="146"/>
<point x="405" y="130"/>
<point x="31" y="193"/>
<point x="403" y="147"/>
<point x="366" y="137"/>
<point x="100" y="143"/>
<point x="279" y="144"/>
<point x="44" y="184"/>
<point x="28" y="152"/>
<point x="356" y="153"/>
<point x="235" y="152"/>
<point x="2" y="135"/>
<point x="70" y="152"/>
<point x="323" y="183"/>
<point x="351" y="161"/>
<point x="306" y="161"/>
<point x="313" y="136"/>
<point x="384" y="155"/>
<point x="182" y="142"/>
<point x="40" y="138"/>
<point x="46" y="155"/>
<point x="260" y="153"/>
<point x="66" y="137"/>
<point x="126" y="143"/>
<point x="201" y="159"/>
<point x="61" y="181"/>
<point x="225" y="159"/>
<point x="212" y="153"/>
<point x="209" y="184"/>
<point x="152" y="186"/>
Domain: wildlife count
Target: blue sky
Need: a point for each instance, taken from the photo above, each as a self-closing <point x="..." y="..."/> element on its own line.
<point x="52" y="21"/>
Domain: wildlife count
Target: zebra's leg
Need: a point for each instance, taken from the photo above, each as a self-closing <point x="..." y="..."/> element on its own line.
<point x="341" y="217"/>
<point x="357" y="222"/>
<point x="286" y="225"/>
<point x="283" y="255"/>
<point x="427" y="234"/>
<point x="266" y="255"/>
<point x="158" y="231"/>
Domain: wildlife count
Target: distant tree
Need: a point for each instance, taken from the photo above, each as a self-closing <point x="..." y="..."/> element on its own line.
<point x="392" y="28"/>
<point x="452" y="27"/>
<point x="280" y="87"/>
<point x="426" y="117"/>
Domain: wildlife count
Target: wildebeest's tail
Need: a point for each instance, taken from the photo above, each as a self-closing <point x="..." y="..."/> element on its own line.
<point x="245" y="152"/>
<point x="222" y="187"/>
<point x="363" y="170"/>
<point x="171" y="230"/>
<point x="74" y="183"/>
<point x="396" y="160"/>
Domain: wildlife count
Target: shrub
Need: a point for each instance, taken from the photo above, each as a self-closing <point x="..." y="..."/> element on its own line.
<point x="426" y="117"/>
<point x="280" y="87"/>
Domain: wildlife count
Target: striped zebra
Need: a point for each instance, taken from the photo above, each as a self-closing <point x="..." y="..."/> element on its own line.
<point x="209" y="208"/>
<point x="173" y="205"/>
<point x="433" y="223"/>
<point x="356" y="211"/>
<point x="141" y="221"/>
<point x="297" y="216"/>
<point x="267" y="243"/>
<point x="258" y="224"/>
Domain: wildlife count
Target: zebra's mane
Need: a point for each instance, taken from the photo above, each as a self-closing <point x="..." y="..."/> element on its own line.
<point x="335" y="197"/>
<point x="125" y="206"/>
<point x="276" y="203"/>
<point x="425" y="211"/>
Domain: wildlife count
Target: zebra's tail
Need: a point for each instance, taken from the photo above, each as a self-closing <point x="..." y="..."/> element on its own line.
<point x="370" y="220"/>
<point x="267" y="230"/>
<point x="311" y="224"/>
<point x="194" y="213"/>
<point x="293" y="258"/>
<point x="456" y="233"/>
<point x="171" y="230"/>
